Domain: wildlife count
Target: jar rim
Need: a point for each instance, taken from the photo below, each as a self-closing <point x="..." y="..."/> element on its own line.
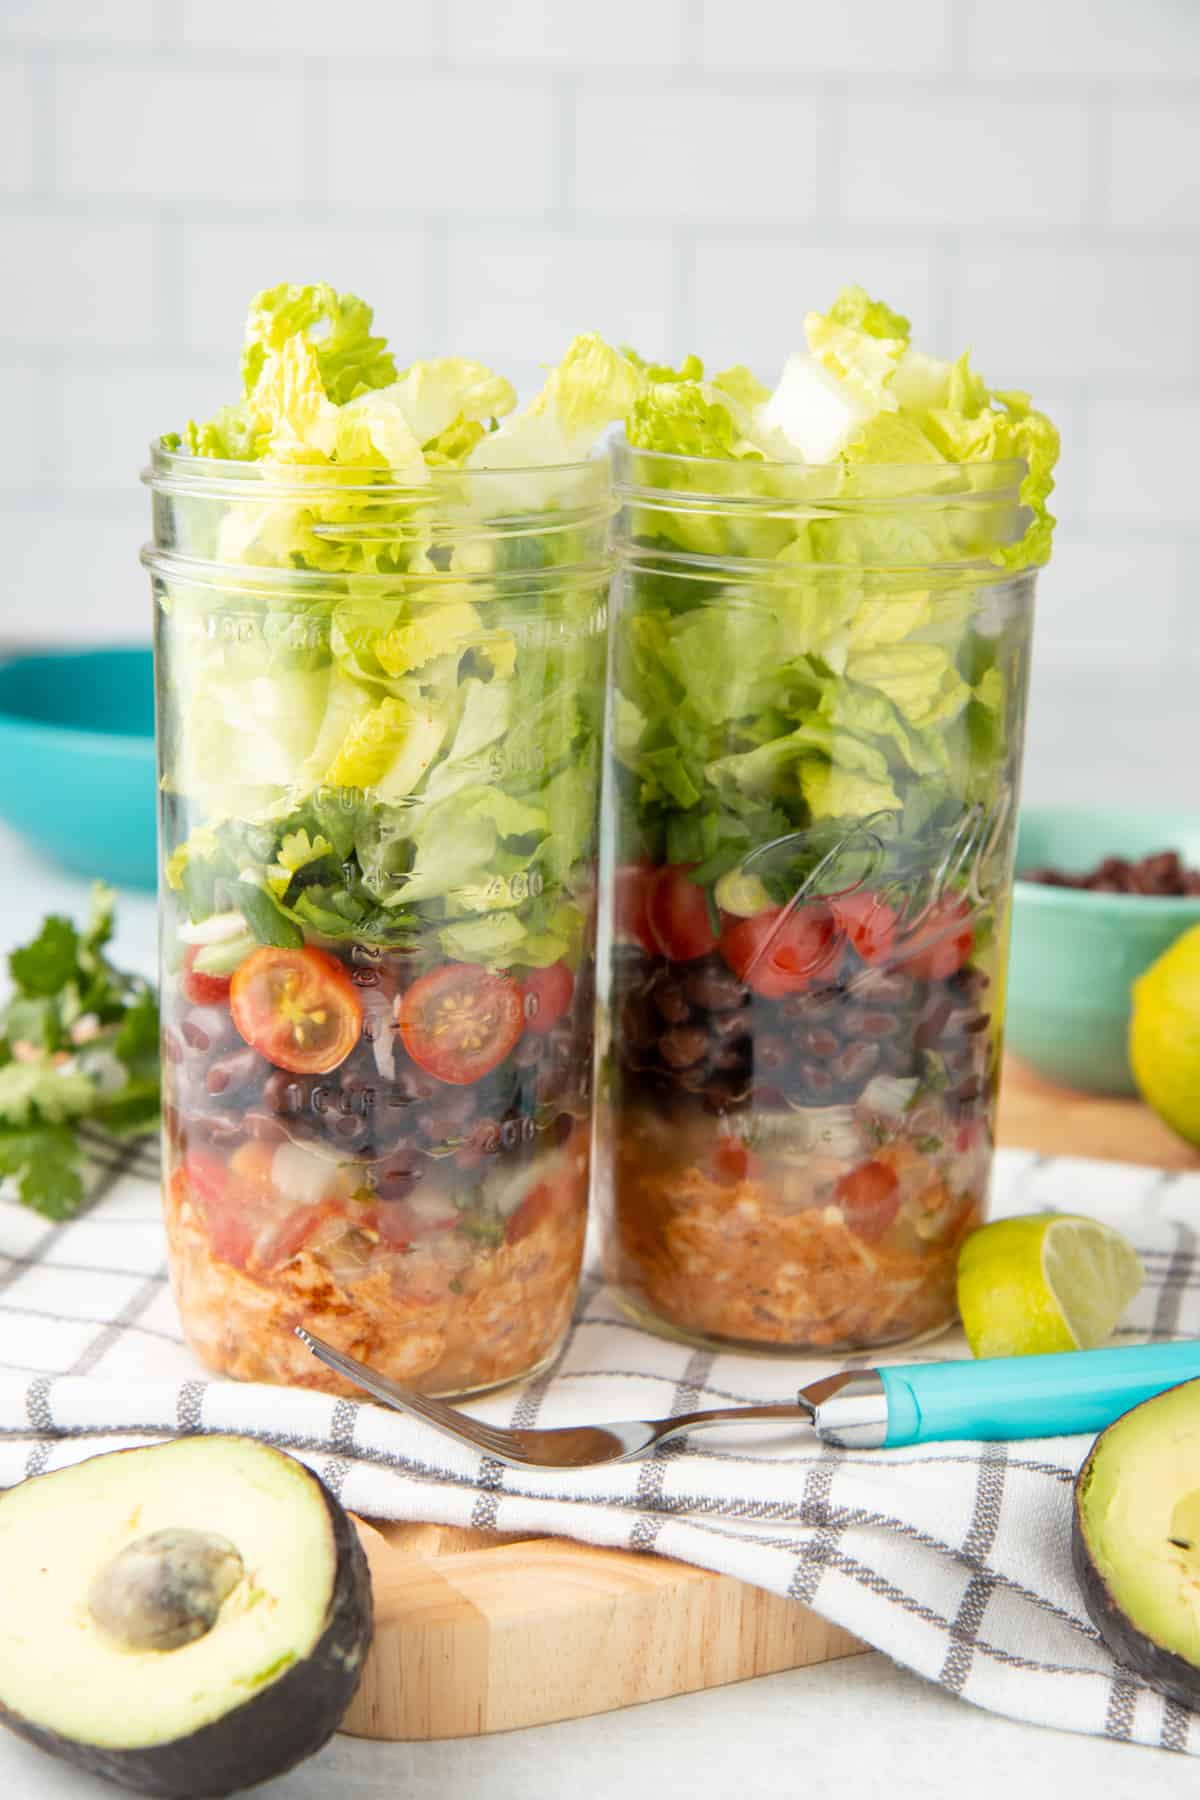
<point x="180" y="472"/>
<point x="910" y="481"/>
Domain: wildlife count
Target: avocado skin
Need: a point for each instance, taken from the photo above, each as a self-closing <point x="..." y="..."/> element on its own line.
<point x="1163" y="1669"/>
<point x="271" y="1731"/>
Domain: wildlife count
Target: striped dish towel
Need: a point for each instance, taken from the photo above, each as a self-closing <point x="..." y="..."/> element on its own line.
<point x="951" y="1558"/>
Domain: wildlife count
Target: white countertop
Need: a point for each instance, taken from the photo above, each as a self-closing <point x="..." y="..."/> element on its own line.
<point x="847" y="1728"/>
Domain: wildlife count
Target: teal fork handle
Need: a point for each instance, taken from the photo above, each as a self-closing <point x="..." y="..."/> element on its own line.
<point x="1029" y="1396"/>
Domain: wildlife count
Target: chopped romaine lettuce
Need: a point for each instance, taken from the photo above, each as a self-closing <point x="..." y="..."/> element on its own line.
<point x="847" y="675"/>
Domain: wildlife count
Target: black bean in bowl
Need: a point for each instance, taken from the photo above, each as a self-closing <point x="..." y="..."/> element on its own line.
<point x="1162" y="874"/>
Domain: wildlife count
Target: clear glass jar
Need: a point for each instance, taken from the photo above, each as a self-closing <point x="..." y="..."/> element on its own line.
<point x="817" y="718"/>
<point x="380" y="710"/>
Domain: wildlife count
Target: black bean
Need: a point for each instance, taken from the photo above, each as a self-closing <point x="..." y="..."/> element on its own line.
<point x="288" y="1094"/>
<point x="671" y="1005"/>
<point x="720" y="1097"/>
<point x="723" y="1027"/>
<point x="814" y="1004"/>
<point x="818" y="1081"/>
<point x="869" y="1022"/>
<point x="932" y="1024"/>
<point x="683" y="1047"/>
<point x="770" y="1053"/>
<point x="881" y="987"/>
<point x="714" y="987"/>
<point x="856" y="1063"/>
<point x="398" y="1175"/>
<point x="638" y="1028"/>
<point x="232" y="1075"/>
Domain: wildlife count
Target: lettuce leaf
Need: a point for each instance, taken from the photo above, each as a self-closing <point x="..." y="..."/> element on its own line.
<point x="592" y="387"/>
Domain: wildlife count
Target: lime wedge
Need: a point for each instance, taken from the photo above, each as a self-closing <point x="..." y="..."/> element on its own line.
<point x="1031" y="1286"/>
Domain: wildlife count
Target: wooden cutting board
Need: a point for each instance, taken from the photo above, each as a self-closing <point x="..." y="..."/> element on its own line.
<point x="476" y="1632"/>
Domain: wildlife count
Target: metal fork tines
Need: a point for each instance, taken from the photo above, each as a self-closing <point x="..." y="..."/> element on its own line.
<point x="553" y="1447"/>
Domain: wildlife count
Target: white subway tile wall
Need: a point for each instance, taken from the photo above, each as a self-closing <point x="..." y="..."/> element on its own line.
<point x="684" y="174"/>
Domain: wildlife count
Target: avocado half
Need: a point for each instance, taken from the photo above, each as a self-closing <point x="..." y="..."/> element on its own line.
<point x="1135" y="1540"/>
<point x="186" y="1620"/>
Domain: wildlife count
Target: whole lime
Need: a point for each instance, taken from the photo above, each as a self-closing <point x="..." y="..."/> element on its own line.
<point x="1164" y="1035"/>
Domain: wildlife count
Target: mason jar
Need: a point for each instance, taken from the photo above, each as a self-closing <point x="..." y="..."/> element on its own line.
<point x="818" y="706"/>
<point x="380" y="707"/>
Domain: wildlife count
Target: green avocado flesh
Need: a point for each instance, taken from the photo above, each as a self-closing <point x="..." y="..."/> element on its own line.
<point x="151" y="1592"/>
<point x="1139" y="1524"/>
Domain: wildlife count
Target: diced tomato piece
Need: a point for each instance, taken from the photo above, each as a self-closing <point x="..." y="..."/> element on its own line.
<point x="731" y="1160"/>
<point x="781" y="952"/>
<point x="869" y="923"/>
<point x="548" y="994"/>
<point x="677" y="914"/>
<point x="869" y="1198"/>
<point x="537" y="1206"/>
<point x="230" y="1236"/>
<point x="631" y="891"/>
<point x="202" y="989"/>
<point x="939" y="942"/>
<point x="287" y="1236"/>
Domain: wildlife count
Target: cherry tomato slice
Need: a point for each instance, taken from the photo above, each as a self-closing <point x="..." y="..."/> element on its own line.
<point x="202" y="989"/>
<point x="869" y="1197"/>
<point x="459" y="1022"/>
<point x="298" y="1008"/>
<point x="548" y="996"/>
<point x="677" y="914"/>
<point x="869" y="923"/>
<point x="939" y="942"/>
<point x="631" y="890"/>
<point x="776" y="953"/>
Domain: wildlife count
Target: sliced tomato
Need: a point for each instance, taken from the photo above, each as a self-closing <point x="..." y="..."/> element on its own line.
<point x="459" y="1022"/>
<point x="939" y="942"/>
<point x="869" y="923"/>
<point x="298" y="1008"/>
<point x="869" y="1197"/>
<point x="548" y="996"/>
<point x="631" y="890"/>
<point x="780" y="952"/>
<point x="677" y="914"/>
<point x="202" y="989"/>
<point x="213" y="1194"/>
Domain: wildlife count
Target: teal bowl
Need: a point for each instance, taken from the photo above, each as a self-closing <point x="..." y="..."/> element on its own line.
<point x="1075" y="954"/>
<point x="77" y="760"/>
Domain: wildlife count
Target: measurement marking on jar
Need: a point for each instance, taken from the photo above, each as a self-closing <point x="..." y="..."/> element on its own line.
<point x="527" y="884"/>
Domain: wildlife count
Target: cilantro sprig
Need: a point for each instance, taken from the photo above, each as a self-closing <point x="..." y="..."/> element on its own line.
<point x="78" y="1041"/>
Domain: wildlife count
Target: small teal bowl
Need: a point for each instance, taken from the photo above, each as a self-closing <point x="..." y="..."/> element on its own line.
<point x="1076" y="954"/>
<point x="77" y="760"/>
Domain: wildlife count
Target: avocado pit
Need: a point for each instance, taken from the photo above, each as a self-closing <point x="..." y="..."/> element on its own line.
<point x="187" y="1619"/>
<point x="165" y="1589"/>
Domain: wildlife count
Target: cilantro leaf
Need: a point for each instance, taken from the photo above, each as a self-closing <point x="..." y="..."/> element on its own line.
<point x="42" y="1087"/>
<point x="44" y="1160"/>
<point x="45" y="966"/>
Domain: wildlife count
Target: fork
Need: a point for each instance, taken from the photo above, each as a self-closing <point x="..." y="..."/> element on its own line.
<point x="865" y="1409"/>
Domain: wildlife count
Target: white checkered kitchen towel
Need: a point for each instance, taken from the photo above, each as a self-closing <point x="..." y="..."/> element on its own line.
<point x="952" y="1558"/>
